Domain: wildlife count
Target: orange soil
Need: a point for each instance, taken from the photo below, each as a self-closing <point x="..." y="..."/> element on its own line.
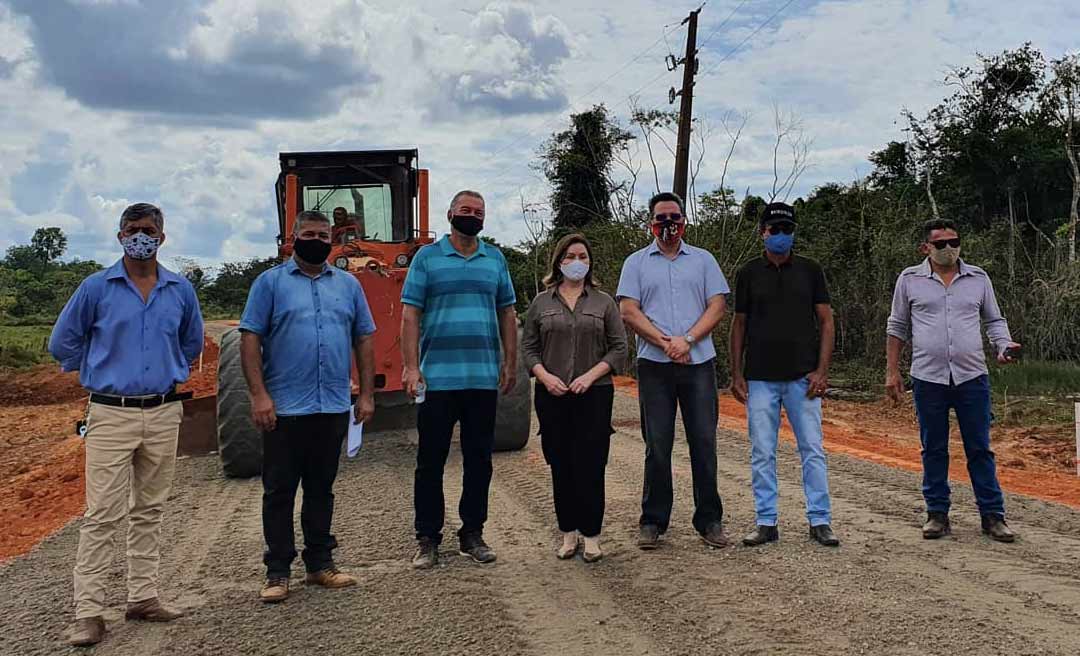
<point x="1028" y="462"/>
<point x="41" y="458"/>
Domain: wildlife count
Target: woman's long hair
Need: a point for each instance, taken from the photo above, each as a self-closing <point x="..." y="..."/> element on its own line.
<point x="555" y="276"/>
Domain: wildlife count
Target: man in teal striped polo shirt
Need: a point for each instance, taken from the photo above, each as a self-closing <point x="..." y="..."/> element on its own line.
<point x="458" y="305"/>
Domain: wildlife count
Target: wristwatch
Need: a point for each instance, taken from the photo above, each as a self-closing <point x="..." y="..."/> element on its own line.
<point x="689" y="338"/>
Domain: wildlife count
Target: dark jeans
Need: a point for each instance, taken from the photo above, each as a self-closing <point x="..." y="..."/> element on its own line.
<point x="663" y="386"/>
<point x="435" y="419"/>
<point x="300" y="450"/>
<point x="971" y="402"/>
<point x="576" y="435"/>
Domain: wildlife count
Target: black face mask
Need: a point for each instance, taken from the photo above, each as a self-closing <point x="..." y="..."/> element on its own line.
<point x="467" y="225"/>
<point x="312" y="251"/>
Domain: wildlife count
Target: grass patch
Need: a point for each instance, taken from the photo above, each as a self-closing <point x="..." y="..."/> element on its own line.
<point x="1053" y="379"/>
<point x="23" y="346"/>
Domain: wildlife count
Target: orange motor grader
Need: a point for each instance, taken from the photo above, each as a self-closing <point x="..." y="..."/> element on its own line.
<point x="386" y="196"/>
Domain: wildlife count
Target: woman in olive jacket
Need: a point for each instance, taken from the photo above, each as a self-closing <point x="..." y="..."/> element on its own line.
<point x="574" y="341"/>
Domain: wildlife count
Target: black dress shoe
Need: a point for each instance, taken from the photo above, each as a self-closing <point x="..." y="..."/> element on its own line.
<point x="823" y="534"/>
<point x="760" y="535"/>
<point x="648" y="537"/>
<point x="936" y="526"/>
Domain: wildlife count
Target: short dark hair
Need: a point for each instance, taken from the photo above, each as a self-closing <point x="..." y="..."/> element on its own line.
<point x="309" y="216"/>
<point x="340" y="208"/>
<point x="140" y="211"/>
<point x="666" y="196"/>
<point x="937" y="224"/>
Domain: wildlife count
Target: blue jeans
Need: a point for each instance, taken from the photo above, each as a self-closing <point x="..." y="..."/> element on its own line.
<point x="971" y="402"/>
<point x="763" y="414"/>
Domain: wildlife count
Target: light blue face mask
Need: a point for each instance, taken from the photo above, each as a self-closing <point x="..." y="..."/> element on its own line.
<point x="575" y="270"/>
<point x="780" y="243"/>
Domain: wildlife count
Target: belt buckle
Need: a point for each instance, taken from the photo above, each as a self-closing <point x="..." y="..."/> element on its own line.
<point x="162" y="396"/>
<point x="123" y="401"/>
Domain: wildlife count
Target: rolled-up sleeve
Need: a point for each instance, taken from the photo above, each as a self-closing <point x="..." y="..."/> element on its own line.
<point x="191" y="325"/>
<point x="997" y="328"/>
<point x="899" y="322"/>
<point x="531" y="345"/>
<point x="615" y="334"/>
<point x="68" y="341"/>
<point x="259" y="307"/>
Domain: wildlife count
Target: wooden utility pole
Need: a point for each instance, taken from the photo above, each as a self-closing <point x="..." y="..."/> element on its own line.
<point x="689" y="63"/>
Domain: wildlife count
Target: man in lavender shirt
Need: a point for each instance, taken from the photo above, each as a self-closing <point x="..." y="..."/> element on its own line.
<point x="940" y="306"/>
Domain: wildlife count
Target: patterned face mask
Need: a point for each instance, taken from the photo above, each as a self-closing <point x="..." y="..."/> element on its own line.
<point x="140" y="246"/>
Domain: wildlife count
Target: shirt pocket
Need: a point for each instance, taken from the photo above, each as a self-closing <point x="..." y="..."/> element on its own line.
<point x="169" y="315"/>
<point x="591" y="327"/>
<point x="552" y="324"/>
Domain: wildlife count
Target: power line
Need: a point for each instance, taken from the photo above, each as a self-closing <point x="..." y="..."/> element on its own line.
<point x="721" y="25"/>
<point x="596" y="87"/>
<point x="760" y="27"/>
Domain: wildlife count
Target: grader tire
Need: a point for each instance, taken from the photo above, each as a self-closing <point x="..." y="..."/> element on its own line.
<point x="239" y="441"/>
<point x="514" y="412"/>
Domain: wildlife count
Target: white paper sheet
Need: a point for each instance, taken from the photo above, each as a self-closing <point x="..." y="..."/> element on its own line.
<point x="356" y="438"/>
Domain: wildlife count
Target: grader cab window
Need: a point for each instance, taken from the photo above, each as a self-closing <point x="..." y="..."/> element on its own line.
<point x="368" y="207"/>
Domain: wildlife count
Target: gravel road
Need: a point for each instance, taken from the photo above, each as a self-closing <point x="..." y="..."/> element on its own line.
<point x="884" y="591"/>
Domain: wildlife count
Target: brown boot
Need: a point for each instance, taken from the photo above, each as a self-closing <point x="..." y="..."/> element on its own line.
<point x="936" y="526"/>
<point x="86" y="631"/>
<point x="997" y="529"/>
<point x="714" y="536"/>
<point x="274" y="591"/>
<point x="151" y="610"/>
<point x="331" y="578"/>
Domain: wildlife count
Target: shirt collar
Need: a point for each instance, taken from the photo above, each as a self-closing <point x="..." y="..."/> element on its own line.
<point x="927" y="271"/>
<point x="118" y="272"/>
<point x="449" y="251"/>
<point x="786" y="263"/>
<point x="292" y="267"/>
<point x="655" y="248"/>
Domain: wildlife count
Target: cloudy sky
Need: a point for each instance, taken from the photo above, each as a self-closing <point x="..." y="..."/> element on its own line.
<point x="186" y="104"/>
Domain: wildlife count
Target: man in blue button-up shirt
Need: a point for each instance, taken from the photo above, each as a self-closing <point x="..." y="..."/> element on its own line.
<point x="672" y="295"/>
<point x="302" y="323"/>
<point x="132" y="332"/>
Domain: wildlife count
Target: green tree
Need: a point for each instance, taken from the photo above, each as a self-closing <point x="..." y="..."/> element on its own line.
<point x="49" y="243"/>
<point x="578" y="164"/>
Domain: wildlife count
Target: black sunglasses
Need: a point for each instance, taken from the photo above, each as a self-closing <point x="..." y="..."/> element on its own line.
<point x="674" y="216"/>
<point x="942" y="243"/>
<point x="785" y="227"/>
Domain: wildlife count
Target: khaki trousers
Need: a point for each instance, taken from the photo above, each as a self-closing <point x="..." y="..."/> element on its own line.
<point x="130" y="459"/>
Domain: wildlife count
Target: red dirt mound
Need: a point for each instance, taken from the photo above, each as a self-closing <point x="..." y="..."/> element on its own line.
<point x="42" y="385"/>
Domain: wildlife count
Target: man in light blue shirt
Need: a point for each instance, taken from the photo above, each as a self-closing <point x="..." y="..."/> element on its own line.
<point x="672" y="295"/>
<point x="132" y="332"/>
<point x="303" y="322"/>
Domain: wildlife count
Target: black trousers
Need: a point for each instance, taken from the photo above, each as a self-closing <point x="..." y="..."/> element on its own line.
<point x="435" y="419"/>
<point x="576" y="436"/>
<point x="663" y="387"/>
<point x="304" y="450"/>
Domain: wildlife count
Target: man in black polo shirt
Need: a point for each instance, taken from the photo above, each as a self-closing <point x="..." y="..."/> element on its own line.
<point x="784" y="325"/>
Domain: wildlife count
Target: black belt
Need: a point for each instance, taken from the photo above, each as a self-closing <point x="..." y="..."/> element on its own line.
<point x="139" y="401"/>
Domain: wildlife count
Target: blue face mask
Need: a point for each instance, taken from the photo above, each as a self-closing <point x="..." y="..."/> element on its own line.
<point x="779" y="244"/>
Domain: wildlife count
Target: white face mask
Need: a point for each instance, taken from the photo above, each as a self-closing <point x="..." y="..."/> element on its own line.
<point x="575" y="270"/>
<point x="945" y="257"/>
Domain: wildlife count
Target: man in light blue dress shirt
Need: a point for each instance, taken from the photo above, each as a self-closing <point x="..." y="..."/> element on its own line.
<point x="303" y="324"/>
<point x="672" y="295"/>
<point x="132" y="332"/>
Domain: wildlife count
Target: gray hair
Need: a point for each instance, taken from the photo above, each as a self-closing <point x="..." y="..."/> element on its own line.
<point x="309" y="216"/>
<point x="465" y="192"/>
<point x="140" y="211"/>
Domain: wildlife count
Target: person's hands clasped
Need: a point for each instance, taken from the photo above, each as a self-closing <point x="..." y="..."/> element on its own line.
<point x="817" y="383"/>
<point x="263" y="412"/>
<point x="553" y="384"/>
<point x="582" y="383"/>
<point x="677" y="348"/>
